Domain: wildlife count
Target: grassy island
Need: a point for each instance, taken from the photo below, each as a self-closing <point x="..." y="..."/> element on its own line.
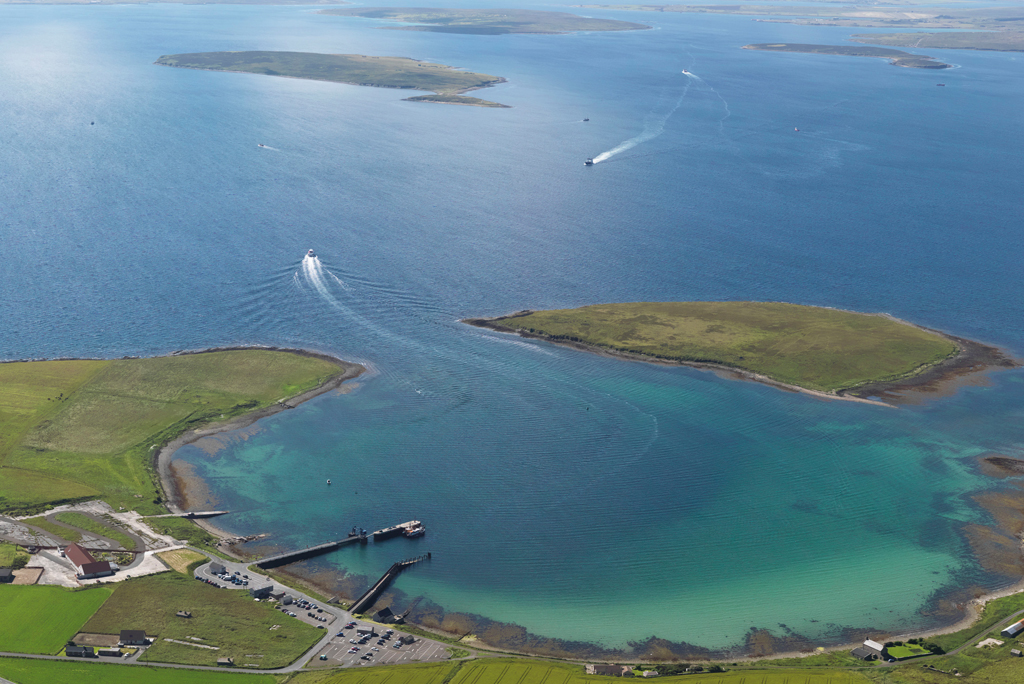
<point x="807" y="347"/>
<point x="895" y="57"/>
<point x="378" y="72"/>
<point x="487" y="22"/>
<point x="85" y="429"/>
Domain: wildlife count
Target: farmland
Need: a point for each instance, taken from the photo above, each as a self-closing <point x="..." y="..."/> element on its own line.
<point x="85" y="429"/>
<point x="40" y="619"/>
<point x="25" y="671"/>
<point x="228" y="620"/>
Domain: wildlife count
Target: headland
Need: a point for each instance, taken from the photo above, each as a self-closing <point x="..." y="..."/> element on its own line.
<point x="821" y="351"/>
<point x="364" y="70"/>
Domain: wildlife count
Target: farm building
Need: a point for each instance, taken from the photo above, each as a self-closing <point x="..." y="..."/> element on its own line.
<point x="651" y="673"/>
<point x="262" y="592"/>
<point x="86" y="566"/>
<point x="608" y="670"/>
<point x="217" y="568"/>
<point x="6" y="575"/>
<point x="875" y="647"/>
<point x="80" y="652"/>
<point x="864" y="653"/>
<point x="109" y="652"/>
<point x="133" y="637"/>
<point x="1014" y="629"/>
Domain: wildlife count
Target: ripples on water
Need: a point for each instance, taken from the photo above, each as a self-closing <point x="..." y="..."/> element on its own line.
<point x="581" y="497"/>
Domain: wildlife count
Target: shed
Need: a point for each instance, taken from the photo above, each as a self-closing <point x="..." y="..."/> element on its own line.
<point x="651" y="673"/>
<point x="287" y="600"/>
<point x="183" y="613"/>
<point x="384" y="615"/>
<point x="864" y="653"/>
<point x="627" y="671"/>
<point x="109" y="652"/>
<point x="80" y="651"/>
<point x="1015" y="652"/>
<point x="6" y="575"/>
<point x="133" y="637"/>
<point x="1014" y="629"/>
<point x="226" y="661"/>
<point x="218" y="568"/>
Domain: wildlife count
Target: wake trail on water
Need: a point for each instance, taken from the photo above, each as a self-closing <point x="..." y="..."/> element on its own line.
<point x="654" y="125"/>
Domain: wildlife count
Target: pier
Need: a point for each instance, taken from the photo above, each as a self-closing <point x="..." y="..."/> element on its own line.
<point x="308" y="552"/>
<point x="363" y="603"/>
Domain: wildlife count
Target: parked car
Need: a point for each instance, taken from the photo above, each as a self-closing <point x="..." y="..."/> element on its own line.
<point x="323" y="657"/>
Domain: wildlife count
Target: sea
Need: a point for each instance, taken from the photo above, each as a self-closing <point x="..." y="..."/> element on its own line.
<point x="580" y="498"/>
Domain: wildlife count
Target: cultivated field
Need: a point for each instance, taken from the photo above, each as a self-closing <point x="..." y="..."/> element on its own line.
<point x="40" y="619"/>
<point x="180" y="560"/>
<point x="486" y="21"/>
<point x="56" y="672"/>
<point x="811" y="347"/>
<point x="432" y="673"/>
<point x="228" y="619"/>
<point x="81" y="429"/>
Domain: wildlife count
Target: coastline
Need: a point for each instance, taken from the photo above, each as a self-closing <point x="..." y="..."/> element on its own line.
<point x="973" y="357"/>
<point x="163" y="457"/>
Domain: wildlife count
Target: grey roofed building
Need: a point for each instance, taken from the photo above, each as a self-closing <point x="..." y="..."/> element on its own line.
<point x="109" y="652"/>
<point x="6" y="575"/>
<point x="261" y="592"/>
<point x="217" y="568"/>
<point x="384" y="615"/>
<point x="134" y="637"/>
<point x="80" y="652"/>
<point x="1014" y="629"/>
<point x="864" y="653"/>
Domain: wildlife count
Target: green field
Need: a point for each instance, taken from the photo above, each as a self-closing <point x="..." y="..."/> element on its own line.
<point x="907" y="651"/>
<point x="226" y="618"/>
<point x="25" y="671"/>
<point x="40" y="619"/>
<point x="54" y="529"/>
<point x="895" y="57"/>
<point x="489" y="22"/>
<point x="811" y="347"/>
<point x="84" y="429"/>
<point x="9" y="553"/>
<point x="381" y="72"/>
<point x="86" y="523"/>
<point x="426" y="673"/>
<point x="182" y="528"/>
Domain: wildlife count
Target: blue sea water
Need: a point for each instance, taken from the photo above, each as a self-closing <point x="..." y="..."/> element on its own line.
<point x="583" y="498"/>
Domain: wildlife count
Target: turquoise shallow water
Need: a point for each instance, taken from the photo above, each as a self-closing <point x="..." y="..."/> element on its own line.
<point x="580" y="497"/>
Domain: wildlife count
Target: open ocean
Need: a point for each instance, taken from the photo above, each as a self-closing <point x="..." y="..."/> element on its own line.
<point x="580" y="497"/>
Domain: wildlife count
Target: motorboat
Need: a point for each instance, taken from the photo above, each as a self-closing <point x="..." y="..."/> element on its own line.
<point x="589" y="162"/>
<point x="311" y="254"/>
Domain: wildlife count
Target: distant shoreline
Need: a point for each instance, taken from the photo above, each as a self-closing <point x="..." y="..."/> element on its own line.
<point x="973" y="357"/>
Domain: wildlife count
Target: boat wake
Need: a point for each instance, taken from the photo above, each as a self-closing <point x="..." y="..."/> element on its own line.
<point x="654" y="125"/>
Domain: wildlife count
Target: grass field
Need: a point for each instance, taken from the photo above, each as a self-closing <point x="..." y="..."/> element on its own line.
<point x="10" y="552"/>
<point x="40" y="619"/>
<point x="384" y="72"/>
<point x="56" y="530"/>
<point x="967" y="40"/>
<point x="225" y="618"/>
<point x="426" y="673"/>
<point x="84" y="429"/>
<point x="811" y="347"/>
<point x="907" y="651"/>
<point x="89" y="525"/>
<point x="181" y="559"/>
<point x="182" y="528"/>
<point x="25" y="671"/>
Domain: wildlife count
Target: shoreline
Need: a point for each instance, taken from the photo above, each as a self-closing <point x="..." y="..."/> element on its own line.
<point x="972" y="357"/>
<point x="163" y="457"/>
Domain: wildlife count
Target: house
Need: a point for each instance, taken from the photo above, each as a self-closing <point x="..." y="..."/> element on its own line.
<point x="384" y="615"/>
<point x="226" y="661"/>
<point x="1014" y="629"/>
<point x="627" y="671"/>
<point x="87" y="567"/>
<point x="608" y="670"/>
<point x="80" y="651"/>
<point x="262" y="592"/>
<point x="6" y="575"/>
<point x="864" y="653"/>
<point x="651" y="673"/>
<point x="183" y="613"/>
<point x="133" y="637"/>
<point x="217" y="568"/>
<point x="408" y="639"/>
<point x="876" y="648"/>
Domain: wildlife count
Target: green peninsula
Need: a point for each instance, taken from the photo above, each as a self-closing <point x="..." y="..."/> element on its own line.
<point x="805" y="347"/>
<point x="380" y="72"/>
<point x="83" y="429"/>
<point x="895" y="57"/>
<point x="485" y="21"/>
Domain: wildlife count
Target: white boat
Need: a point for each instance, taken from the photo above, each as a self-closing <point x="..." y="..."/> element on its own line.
<point x="311" y="254"/>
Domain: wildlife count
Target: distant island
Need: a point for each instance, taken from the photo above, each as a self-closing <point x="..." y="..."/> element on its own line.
<point x="489" y="22"/>
<point x="1007" y="41"/>
<point x="895" y="57"/>
<point x="819" y="350"/>
<point x="380" y="72"/>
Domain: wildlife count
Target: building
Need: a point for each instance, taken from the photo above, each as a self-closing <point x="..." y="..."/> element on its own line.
<point x="262" y="592"/>
<point x="226" y="661"/>
<point x="651" y="673"/>
<point x="864" y="653"/>
<point x="1015" y="652"/>
<point x="384" y="615"/>
<point x="627" y="671"/>
<point x="1014" y="629"/>
<point x="6" y="575"/>
<point x="80" y="651"/>
<point x="876" y="648"/>
<point x="217" y="568"/>
<point x="607" y="670"/>
<point x="133" y="637"/>
<point x="109" y="652"/>
<point x="87" y="567"/>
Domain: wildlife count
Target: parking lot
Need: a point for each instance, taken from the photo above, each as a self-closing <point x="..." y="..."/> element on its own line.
<point x="337" y="651"/>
